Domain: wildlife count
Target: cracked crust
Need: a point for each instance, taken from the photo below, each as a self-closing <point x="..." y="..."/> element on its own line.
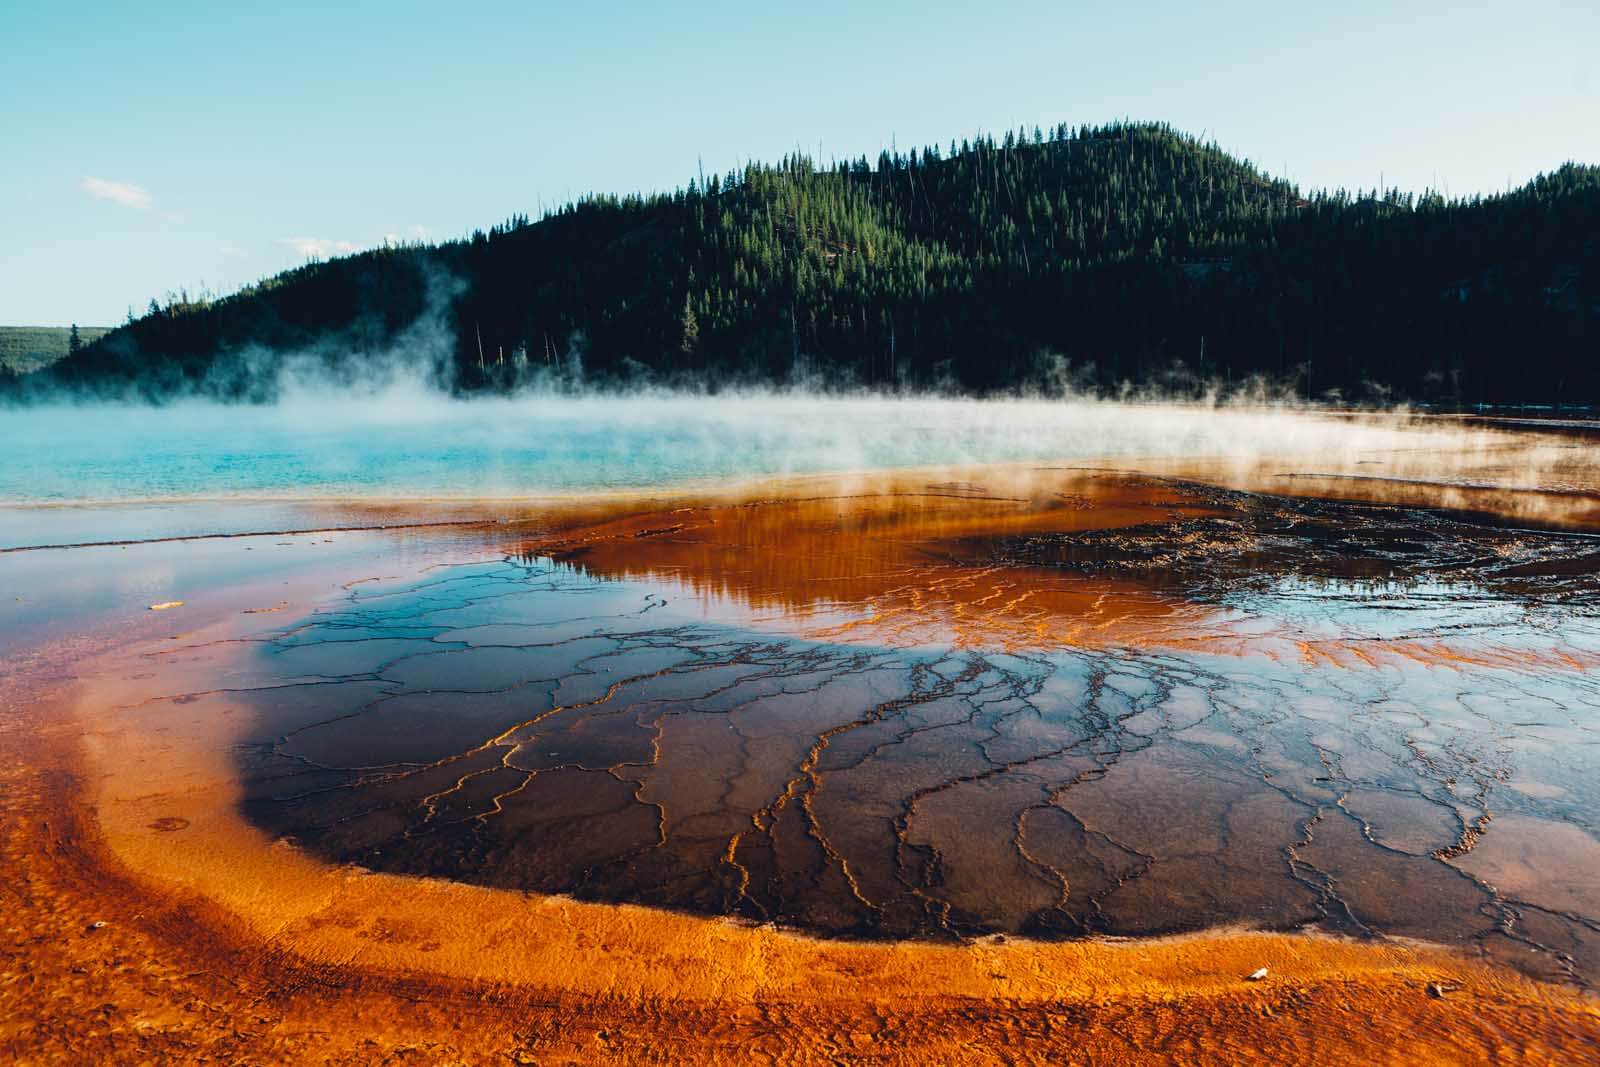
<point x="919" y="739"/>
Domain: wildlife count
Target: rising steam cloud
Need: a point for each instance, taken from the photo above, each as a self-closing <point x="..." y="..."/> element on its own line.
<point x="347" y="420"/>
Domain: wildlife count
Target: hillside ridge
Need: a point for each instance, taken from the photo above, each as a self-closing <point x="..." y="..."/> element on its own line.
<point x="1095" y="255"/>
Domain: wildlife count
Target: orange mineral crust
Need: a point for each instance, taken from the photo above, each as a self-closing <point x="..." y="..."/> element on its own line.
<point x="901" y="558"/>
<point x="1016" y="557"/>
<point x="349" y="968"/>
<point x="153" y="914"/>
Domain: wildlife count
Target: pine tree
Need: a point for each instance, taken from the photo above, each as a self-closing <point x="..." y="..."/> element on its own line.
<point x="689" y="338"/>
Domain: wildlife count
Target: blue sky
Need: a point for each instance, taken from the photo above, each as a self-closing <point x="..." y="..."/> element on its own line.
<point x="151" y="149"/>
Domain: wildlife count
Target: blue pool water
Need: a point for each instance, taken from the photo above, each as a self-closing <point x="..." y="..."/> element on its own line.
<point x="415" y="445"/>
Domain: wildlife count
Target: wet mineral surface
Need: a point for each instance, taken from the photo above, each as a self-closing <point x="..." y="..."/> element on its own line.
<point x="794" y="745"/>
<point x="1075" y="703"/>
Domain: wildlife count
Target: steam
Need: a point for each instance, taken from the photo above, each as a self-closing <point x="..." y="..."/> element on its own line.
<point x="408" y="439"/>
<point x="365" y="361"/>
<point x="348" y="419"/>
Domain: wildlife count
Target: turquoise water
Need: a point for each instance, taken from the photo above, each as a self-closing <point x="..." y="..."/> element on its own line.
<point x="414" y="445"/>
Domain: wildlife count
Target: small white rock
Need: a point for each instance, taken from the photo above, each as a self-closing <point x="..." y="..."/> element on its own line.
<point x="1256" y="975"/>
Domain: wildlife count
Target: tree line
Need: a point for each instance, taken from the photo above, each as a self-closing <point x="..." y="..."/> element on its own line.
<point x="1116" y="254"/>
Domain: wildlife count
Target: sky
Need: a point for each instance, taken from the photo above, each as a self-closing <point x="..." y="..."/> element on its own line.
<point x="152" y="148"/>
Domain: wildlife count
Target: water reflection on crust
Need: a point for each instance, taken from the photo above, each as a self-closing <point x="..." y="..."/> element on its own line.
<point x="1122" y="706"/>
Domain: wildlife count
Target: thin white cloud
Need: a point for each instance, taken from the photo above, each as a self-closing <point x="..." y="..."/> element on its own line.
<point x="320" y="247"/>
<point x="125" y="193"/>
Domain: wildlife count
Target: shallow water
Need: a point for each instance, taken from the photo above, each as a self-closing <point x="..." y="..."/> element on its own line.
<point x="112" y="473"/>
<point x="1131" y="707"/>
<point x="421" y="445"/>
<point x="1051" y="698"/>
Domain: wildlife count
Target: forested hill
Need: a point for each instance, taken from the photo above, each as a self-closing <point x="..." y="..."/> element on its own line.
<point x="1123" y="250"/>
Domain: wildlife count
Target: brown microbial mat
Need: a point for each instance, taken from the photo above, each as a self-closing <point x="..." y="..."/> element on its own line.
<point x="1120" y="706"/>
<point x="876" y="769"/>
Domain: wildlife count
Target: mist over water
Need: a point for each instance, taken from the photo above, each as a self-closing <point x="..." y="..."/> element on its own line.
<point x="415" y="443"/>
